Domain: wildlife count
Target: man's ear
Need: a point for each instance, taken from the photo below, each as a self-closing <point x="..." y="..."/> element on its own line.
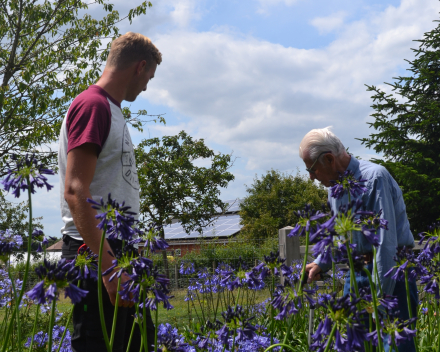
<point x="141" y="67"/>
<point x="330" y="158"/>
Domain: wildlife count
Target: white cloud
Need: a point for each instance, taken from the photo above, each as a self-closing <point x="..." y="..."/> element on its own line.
<point x="329" y="23"/>
<point x="260" y="98"/>
<point x="184" y="12"/>
<point x="265" y="5"/>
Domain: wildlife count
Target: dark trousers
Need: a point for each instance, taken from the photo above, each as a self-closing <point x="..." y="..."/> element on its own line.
<point x="87" y="332"/>
<point x="400" y="293"/>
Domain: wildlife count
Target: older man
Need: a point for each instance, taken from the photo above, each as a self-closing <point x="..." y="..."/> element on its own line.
<point x="326" y="158"/>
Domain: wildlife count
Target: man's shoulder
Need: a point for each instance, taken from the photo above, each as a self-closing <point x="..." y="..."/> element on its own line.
<point x="372" y="170"/>
<point x="91" y="97"/>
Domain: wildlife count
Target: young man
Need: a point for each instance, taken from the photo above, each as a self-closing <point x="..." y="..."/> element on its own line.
<point x="96" y="158"/>
<point x="325" y="158"/>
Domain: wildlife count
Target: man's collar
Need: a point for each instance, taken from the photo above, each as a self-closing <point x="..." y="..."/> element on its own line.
<point x="353" y="166"/>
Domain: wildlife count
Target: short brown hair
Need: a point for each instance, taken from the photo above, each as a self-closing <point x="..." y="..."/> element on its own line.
<point x="130" y="48"/>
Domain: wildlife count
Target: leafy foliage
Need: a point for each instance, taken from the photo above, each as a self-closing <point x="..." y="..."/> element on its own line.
<point x="231" y="252"/>
<point x="174" y="187"/>
<point x="14" y="216"/>
<point x="48" y="55"/>
<point x="272" y="201"/>
<point x="408" y="132"/>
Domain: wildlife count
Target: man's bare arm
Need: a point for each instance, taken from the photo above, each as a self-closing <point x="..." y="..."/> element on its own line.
<point x="80" y="169"/>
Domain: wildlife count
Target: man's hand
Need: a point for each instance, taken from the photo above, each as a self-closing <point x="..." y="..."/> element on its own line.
<point x="112" y="289"/>
<point x="312" y="272"/>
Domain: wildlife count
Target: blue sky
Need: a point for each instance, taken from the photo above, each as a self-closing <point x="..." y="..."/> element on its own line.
<point x="251" y="77"/>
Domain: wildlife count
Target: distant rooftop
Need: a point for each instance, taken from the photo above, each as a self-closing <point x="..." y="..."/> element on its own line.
<point x="226" y="225"/>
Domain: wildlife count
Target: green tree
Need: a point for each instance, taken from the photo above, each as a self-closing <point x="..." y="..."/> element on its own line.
<point x="272" y="201"/>
<point x="14" y="216"/>
<point x="48" y="55"/>
<point x="172" y="186"/>
<point x="408" y="132"/>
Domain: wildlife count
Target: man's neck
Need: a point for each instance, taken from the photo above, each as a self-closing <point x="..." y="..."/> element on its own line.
<point x="114" y="83"/>
<point x="344" y="161"/>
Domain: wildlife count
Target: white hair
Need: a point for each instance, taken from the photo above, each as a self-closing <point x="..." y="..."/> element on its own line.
<point x="318" y="141"/>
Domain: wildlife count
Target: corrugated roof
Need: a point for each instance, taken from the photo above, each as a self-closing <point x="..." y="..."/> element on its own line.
<point x="224" y="226"/>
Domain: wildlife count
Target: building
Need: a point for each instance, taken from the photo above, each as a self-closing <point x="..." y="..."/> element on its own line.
<point x="225" y="227"/>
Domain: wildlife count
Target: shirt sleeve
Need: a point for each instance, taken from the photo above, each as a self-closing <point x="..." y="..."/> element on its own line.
<point x="381" y="198"/>
<point x="88" y="121"/>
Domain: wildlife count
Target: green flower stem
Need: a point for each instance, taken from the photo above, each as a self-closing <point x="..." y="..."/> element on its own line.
<point x="277" y="345"/>
<point x="100" y="305"/>
<point x="394" y="343"/>
<point x="408" y="300"/>
<point x="195" y="309"/>
<point x="8" y="332"/>
<point x="131" y="335"/>
<point x="217" y="305"/>
<point x="376" y="273"/>
<point x="352" y="272"/>
<point x="233" y="341"/>
<point x="155" y="328"/>
<point x="303" y="273"/>
<point x="67" y="323"/>
<point x="115" y="314"/>
<point x="26" y="270"/>
<point x="16" y="306"/>
<point x="438" y="327"/>
<point x="140" y="326"/>
<point x="144" y="322"/>
<point x="51" y="324"/>
<point x="201" y="308"/>
<point x="65" y="329"/>
<point x="329" y="340"/>
<point x="289" y="327"/>
<point x="376" y="313"/>
<point x="429" y="324"/>
<point x="34" y="329"/>
<point x="238" y="297"/>
<point x="370" y="319"/>
<point x="272" y="320"/>
<point x="334" y="275"/>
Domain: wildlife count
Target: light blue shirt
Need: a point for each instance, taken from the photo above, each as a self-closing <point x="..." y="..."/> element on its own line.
<point x="383" y="193"/>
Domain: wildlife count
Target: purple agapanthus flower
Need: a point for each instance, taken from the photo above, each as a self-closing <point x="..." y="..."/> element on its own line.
<point x="87" y="263"/>
<point x="41" y="339"/>
<point x="156" y="244"/>
<point x="27" y="172"/>
<point x="309" y="217"/>
<point x="187" y="268"/>
<point x="75" y="293"/>
<point x="54" y="278"/>
<point x="350" y="332"/>
<point x="347" y="183"/>
<point x="37" y="293"/>
<point x="9" y="241"/>
<point x="145" y="276"/>
<point x="115" y="217"/>
<point x="169" y="339"/>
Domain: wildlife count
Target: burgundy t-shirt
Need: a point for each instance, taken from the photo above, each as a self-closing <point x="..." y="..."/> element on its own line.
<point x="89" y="118"/>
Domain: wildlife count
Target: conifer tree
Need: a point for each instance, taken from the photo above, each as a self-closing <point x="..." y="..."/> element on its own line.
<point x="407" y="124"/>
